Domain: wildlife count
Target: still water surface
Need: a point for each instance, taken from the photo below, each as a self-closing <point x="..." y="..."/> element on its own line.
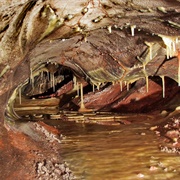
<point x="124" y="152"/>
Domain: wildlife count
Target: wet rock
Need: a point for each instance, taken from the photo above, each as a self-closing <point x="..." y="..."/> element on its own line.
<point x="140" y="175"/>
<point x="153" y="168"/>
<point x="173" y="134"/>
<point x="170" y="149"/>
<point x="49" y="170"/>
<point x="32" y="158"/>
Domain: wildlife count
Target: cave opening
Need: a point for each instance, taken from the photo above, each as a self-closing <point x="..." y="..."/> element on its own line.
<point x="59" y="87"/>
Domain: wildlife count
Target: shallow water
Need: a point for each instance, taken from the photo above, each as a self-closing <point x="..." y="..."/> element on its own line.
<point x="125" y="152"/>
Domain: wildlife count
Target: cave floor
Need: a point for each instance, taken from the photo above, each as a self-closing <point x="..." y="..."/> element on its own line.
<point x="31" y="151"/>
<point x="27" y="151"/>
<point x="37" y="146"/>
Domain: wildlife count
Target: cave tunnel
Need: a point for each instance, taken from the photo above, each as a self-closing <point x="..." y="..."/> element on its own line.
<point x="96" y="63"/>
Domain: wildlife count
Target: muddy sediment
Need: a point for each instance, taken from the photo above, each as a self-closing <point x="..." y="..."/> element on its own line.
<point x="32" y="152"/>
<point x="169" y="131"/>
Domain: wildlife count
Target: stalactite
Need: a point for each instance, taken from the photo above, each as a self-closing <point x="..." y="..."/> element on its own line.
<point x="20" y="96"/>
<point x="147" y="83"/>
<point x="82" y="100"/>
<point x="48" y="76"/>
<point x="127" y="86"/>
<point x="132" y="29"/>
<point x="93" y="88"/>
<point x="42" y="74"/>
<point x="163" y="85"/>
<point x="50" y="80"/>
<point x="31" y="75"/>
<point x="178" y="57"/>
<point x="31" y="78"/>
<point x="121" y="86"/>
<point x="146" y="78"/>
<point x="40" y="87"/>
<point x="109" y="29"/>
<point x="75" y="82"/>
<point x="77" y="86"/>
<point x="170" y="42"/>
<point x="98" y="86"/>
<point x="53" y="82"/>
<point x="150" y="45"/>
<point x="145" y="73"/>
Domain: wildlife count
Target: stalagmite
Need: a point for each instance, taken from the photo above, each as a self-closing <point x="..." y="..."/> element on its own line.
<point x="132" y="29"/>
<point x="163" y="85"/>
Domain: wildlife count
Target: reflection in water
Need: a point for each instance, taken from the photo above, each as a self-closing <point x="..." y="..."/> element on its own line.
<point x="125" y="152"/>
